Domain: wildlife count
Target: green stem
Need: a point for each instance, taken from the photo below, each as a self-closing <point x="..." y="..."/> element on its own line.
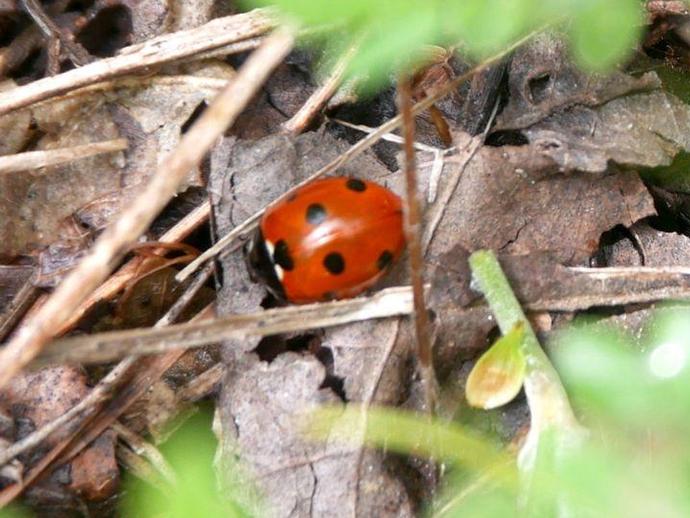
<point x="547" y="399"/>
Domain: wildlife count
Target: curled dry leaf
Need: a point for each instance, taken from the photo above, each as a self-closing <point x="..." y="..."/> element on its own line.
<point x="582" y="122"/>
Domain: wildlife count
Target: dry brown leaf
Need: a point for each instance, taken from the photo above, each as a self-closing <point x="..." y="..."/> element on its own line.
<point x="511" y="200"/>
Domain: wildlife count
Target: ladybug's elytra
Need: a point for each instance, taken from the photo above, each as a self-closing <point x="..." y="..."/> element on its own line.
<point x="331" y="239"/>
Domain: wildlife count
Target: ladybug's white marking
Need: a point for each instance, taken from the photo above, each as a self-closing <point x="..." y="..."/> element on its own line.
<point x="280" y="273"/>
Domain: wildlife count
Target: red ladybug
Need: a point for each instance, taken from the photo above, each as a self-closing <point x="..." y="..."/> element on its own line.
<point x="331" y="239"/>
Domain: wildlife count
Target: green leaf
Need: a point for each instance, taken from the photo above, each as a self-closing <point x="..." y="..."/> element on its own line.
<point x="604" y="32"/>
<point x="405" y="432"/>
<point x="476" y="24"/>
<point x="498" y="375"/>
<point x="190" y="453"/>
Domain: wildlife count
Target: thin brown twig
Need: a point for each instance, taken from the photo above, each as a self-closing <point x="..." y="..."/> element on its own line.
<point x="413" y="232"/>
<point x="134" y="220"/>
<point x="112" y="345"/>
<point x="76" y="52"/>
<point x="47" y="157"/>
<point x="299" y="122"/>
<point x="18" y="307"/>
<point x="164" y="49"/>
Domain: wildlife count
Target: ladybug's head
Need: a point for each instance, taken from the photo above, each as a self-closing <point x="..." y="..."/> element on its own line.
<point x="261" y="266"/>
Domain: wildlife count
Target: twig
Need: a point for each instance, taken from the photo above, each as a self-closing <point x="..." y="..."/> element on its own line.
<point x="116" y="239"/>
<point x="413" y="232"/>
<point x="17" y="307"/>
<point x="35" y="159"/>
<point x="298" y="123"/>
<point x="390" y="137"/>
<point x="207" y="85"/>
<point x="145" y="449"/>
<point x="202" y="385"/>
<point x="77" y="54"/>
<point x="217" y="33"/>
<point x="109" y="346"/>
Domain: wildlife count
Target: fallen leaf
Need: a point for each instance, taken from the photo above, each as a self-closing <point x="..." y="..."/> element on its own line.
<point x="512" y="200"/>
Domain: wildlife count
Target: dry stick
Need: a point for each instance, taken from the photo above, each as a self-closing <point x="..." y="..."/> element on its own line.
<point x="107" y="385"/>
<point x="96" y="348"/>
<point x="17" y="308"/>
<point x="202" y="385"/>
<point x="117" y="238"/>
<point x="77" y="54"/>
<point x="171" y="47"/>
<point x="413" y="233"/>
<point x="48" y="157"/>
<point x="389" y="137"/>
<point x="320" y="97"/>
<point x="210" y="85"/>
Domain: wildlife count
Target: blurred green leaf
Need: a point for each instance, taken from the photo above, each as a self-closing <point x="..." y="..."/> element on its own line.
<point x="190" y="452"/>
<point x="497" y="376"/>
<point x="15" y="511"/>
<point x="604" y="32"/>
<point x="405" y="432"/>
<point x="392" y="32"/>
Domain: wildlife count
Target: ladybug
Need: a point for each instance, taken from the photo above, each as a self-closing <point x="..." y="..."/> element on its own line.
<point x="331" y="239"/>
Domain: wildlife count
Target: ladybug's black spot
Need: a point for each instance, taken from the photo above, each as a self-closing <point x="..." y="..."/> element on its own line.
<point x="384" y="260"/>
<point x="334" y="263"/>
<point x="316" y="214"/>
<point x="356" y="185"/>
<point x="281" y="256"/>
